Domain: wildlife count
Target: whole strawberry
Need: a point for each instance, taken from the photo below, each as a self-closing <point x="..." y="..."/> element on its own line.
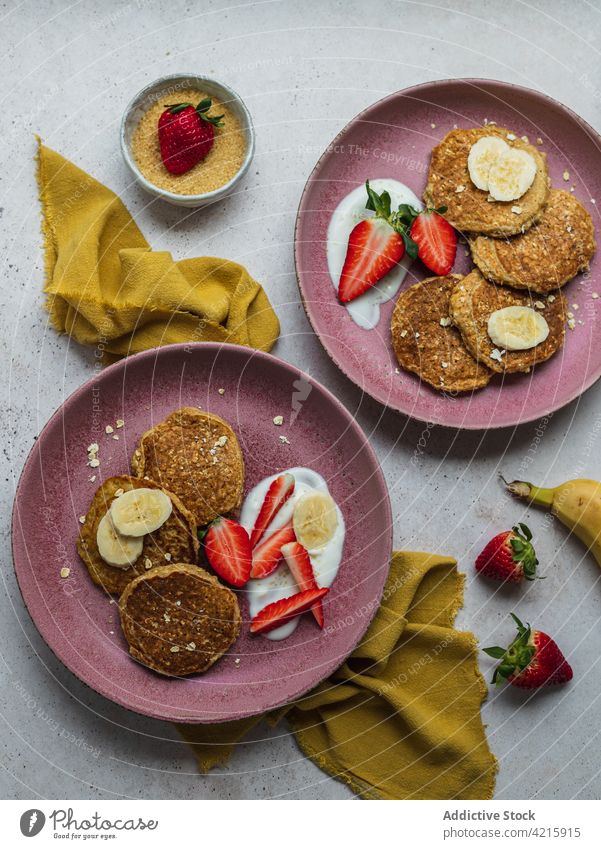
<point x="509" y="556"/>
<point x="532" y="660"/>
<point x="186" y="134"/>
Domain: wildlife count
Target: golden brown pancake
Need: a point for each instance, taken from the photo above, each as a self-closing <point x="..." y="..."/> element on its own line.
<point x="469" y="210"/>
<point x="176" y="538"/>
<point x="433" y="351"/>
<point x="550" y="253"/>
<point x="473" y="301"/>
<point x="178" y="619"/>
<point x="196" y="455"/>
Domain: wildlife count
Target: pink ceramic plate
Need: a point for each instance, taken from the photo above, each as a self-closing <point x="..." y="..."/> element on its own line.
<point x="394" y="138"/>
<point x="76" y="618"/>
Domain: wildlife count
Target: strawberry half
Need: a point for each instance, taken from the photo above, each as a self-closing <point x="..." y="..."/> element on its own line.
<point x="279" y="612"/>
<point x="228" y="550"/>
<point x="532" y="660"/>
<point x="298" y="561"/>
<point x="433" y="236"/>
<point x="373" y="250"/>
<point x="267" y="555"/>
<point x="436" y="240"/>
<point x="186" y="134"/>
<point x="375" y="246"/>
<point x="510" y="556"/>
<point x="278" y="494"/>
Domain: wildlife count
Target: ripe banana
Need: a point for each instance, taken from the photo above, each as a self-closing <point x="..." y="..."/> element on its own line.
<point x="115" y="549"/>
<point x="315" y="519"/>
<point x="576" y="503"/>
<point x="517" y="328"/>
<point x="140" y="511"/>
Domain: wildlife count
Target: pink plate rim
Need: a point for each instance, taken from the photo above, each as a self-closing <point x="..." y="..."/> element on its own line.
<point x="373" y="391"/>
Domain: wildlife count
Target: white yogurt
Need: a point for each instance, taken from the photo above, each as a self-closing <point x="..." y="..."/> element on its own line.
<point x="325" y="560"/>
<point x="365" y="310"/>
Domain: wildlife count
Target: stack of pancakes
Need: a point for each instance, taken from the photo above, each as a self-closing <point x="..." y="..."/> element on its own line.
<point x="177" y="618"/>
<point x="524" y="251"/>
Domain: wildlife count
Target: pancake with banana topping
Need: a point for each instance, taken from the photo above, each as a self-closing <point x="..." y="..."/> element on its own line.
<point x="99" y="541"/>
<point x="550" y="253"/>
<point x="475" y="299"/>
<point x="426" y="343"/>
<point x="178" y="620"/>
<point x="471" y="209"/>
<point x="196" y="455"/>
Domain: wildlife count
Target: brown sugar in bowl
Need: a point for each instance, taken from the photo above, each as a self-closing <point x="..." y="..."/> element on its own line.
<point x="221" y="170"/>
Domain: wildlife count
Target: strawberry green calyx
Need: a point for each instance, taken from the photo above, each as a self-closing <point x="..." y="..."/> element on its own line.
<point x="202" y="110"/>
<point x="515" y="658"/>
<point x="381" y="205"/>
<point x="174" y="108"/>
<point x="406" y="214"/>
<point x="523" y="550"/>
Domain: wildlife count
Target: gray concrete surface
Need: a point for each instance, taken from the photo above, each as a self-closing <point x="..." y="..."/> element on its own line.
<point x="304" y="68"/>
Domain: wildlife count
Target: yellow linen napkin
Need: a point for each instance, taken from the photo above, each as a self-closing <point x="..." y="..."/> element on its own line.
<point x="106" y="288"/>
<point x="401" y="718"/>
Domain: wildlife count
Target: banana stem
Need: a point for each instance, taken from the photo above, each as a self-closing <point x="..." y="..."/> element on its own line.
<point x="534" y="494"/>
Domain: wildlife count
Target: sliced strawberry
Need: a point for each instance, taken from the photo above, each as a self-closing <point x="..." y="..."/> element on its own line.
<point x="279" y="612"/>
<point x="278" y="494"/>
<point x="228" y="550"/>
<point x="436" y="241"/>
<point x="298" y="561"/>
<point x="374" y="248"/>
<point x="266" y="557"/>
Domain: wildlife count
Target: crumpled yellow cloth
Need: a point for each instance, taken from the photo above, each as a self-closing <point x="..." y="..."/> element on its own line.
<point x="106" y="288"/>
<point x="401" y="718"/>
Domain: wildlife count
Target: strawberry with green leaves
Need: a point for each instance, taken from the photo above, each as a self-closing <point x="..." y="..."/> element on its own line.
<point x="378" y="243"/>
<point x="510" y="556"/>
<point x="532" y="660"/>
<point x="186" y="134"/>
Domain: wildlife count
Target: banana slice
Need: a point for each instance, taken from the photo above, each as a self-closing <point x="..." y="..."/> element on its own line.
<point x="483" y="154"/>
<point x="315" y="519"/>
<point x="140" y="511"/>
<point x="511" y="175"/>
<point x="517" y="328"/>
<point x="115" y="549"/>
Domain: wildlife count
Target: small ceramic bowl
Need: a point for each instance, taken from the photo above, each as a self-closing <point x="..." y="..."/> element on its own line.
<point x="168" y="87"/>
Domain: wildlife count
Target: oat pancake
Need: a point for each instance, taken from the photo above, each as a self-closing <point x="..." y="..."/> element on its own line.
<point x="176" y="537"/>
<point x="469" y="210"/>
<point x="549" y="254"/>
<point x="178" y="619"/>
<point x="473" y="301"/>
<point x="422" y="345"/>
<point x="197" y="456"/>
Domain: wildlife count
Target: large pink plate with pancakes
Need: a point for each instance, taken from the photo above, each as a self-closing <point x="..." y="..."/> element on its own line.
<point x="408" y="125"/>
<point x="77" y="619"/>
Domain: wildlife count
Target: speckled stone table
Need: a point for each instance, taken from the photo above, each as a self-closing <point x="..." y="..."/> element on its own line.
<point x="304" y="69"/>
